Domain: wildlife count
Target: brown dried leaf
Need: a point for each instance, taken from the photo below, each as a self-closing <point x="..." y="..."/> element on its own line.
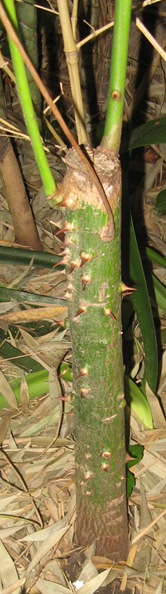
<point x="4" y="426"/>
<point x="7" y="391"/>
<point x="157" y="413"/>
<point x="24" y="396"/>
<point x="8" y="571"/>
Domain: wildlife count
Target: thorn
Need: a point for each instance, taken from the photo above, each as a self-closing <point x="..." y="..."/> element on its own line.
<point x="128" y="458"/>
<point x="66" y="252"/>
<point x="83" y="392"/>
<point x="67" y="295"/>
<point x="83" y="371"/>
<point x="67" y="241"/>
<point x="59" y="323"/>
<point x="66" y="202"/>
<point x="84" y="258"/>
<point x="85" y="280"/>
<point x="81" y="309"/>
<point x="65" y="260"/>
<point x="59" y="263"/>
<point x="108" y="312"/>
<point x="70" y="287"/>
<point x="65" y="398"/>
<point x="126" y="290"/>
<point x="66" y="227"/>
<point x="73" y="264"/>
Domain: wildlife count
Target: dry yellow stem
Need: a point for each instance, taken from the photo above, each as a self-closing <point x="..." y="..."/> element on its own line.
<point x="33" y="315"/>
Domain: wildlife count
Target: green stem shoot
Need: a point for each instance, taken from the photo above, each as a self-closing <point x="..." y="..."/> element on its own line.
<point x="27" y="106"/>
<point x="113" y="125"/>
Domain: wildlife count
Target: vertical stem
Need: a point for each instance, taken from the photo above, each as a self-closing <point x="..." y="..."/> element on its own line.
<point x="23" y="221"/>
<point x="94" y="274"/>
<point x="74" y="18"/>
<point x="72" y="63"/>
<point x="27" y="18"/>
<point x="113" y="124"/>
<point x="27" y="106"/>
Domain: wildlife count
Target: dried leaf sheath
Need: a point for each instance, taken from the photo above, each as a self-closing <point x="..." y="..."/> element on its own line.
<point x="94" y="274"/>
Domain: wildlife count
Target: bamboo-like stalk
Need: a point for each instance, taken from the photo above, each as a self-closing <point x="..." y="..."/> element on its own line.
<point x="113" y="124"/>
<point x="15" y="189"/>
<point x="8" y="25"/>
<point x="23" y="221"/>
<point x="94" y="34"/>
<point x="72" y="63"/>
<point x="74" y="18"/>
<point x="23" y="257"/>
<point x="27" y="106"/>
<point x="27" y="18"/>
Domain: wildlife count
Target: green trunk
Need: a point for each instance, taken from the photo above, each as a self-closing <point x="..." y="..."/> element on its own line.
<point x="94" y="275"/>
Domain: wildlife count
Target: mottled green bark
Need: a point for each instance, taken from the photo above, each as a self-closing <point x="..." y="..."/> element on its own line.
<point x="94" y="275"/>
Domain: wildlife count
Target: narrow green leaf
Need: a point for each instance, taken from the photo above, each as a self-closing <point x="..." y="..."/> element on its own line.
<point x="158" y="287"/>
<point x="8" y="351"/>
<point x="141" y="304"/>
<point x="65" y="372"/>
<point x="135" y="451"/>
<point x="160" y="292"/>
<point x="153" y="132"/>
<point x="155" y="257"/>
<point x="23" y="296"/>
<point x="130" y="481"/>
<point x="138" y="402"/>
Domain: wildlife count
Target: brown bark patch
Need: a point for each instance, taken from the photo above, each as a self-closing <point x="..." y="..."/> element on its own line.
<point x="78" y="187"/>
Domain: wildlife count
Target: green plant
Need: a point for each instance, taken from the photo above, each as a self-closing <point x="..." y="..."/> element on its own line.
<point x="94" y="270"/>
<point x="27" y="105"/>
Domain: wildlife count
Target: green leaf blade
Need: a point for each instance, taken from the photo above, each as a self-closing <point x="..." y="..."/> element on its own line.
<point x="153" y="132"/>
<point x="141" y="304"/>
